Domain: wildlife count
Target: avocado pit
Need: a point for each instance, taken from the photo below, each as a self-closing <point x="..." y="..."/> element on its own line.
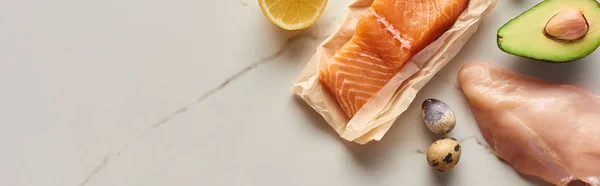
<point x="567" y="25"/>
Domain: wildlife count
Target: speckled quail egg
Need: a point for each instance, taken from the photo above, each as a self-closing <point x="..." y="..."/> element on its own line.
<point x="444" y="154"/>
<point x="438" y="116"/>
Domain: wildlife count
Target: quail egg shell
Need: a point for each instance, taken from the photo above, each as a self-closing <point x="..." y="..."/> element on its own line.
<point x="444" y="154"/>
<point x="438" y="116"/>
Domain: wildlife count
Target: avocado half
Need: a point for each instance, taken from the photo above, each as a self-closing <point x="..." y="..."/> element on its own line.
<point x="524" y="35"/>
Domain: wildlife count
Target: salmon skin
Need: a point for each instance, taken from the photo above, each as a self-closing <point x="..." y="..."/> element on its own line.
<point x="386" y="37"/>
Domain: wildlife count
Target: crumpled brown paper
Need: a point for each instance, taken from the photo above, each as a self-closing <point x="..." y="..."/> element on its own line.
<point x="376" y="117"/>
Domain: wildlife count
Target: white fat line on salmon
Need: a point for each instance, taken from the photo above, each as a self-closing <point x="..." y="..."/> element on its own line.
<point x="340" y="91"/>
<point x="332" y="80"/>
<point x="351" y="90"/>
<point x="354" y="67"/>
<point x="389" y="48"/>
<point x="408" y="10"/>
<point x="395" y="5"/>
<point x="390" y="28"/>
<point x="442" y="13"/>
<point x="370" y="56"/>
<point x="347" y="104"/>
<point x="360" y="91"/>
<point x="345" y="100"/>
<point x="350" y="105"/>
<point x="335" y="85"/>
<point x="341" y="88"/>
<point x="358" y="75"/>
<point x="365" y="62"/>
<point x="359" y="84"/>
<point x="356" y="101"/>
<point x="364" y="55"/>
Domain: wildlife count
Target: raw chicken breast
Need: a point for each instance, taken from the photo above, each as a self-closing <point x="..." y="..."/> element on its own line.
<point x="544" y="129"/>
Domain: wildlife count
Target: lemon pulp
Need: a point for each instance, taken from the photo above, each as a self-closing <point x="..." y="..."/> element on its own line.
<point x="292" y="14"/>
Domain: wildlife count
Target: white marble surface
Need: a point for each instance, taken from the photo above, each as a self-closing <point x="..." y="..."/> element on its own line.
<point x="197" y="92"/>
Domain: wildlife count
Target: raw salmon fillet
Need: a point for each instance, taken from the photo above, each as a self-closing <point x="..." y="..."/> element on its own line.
<point x="544" y="129"/>
<point x="386" y="37"/>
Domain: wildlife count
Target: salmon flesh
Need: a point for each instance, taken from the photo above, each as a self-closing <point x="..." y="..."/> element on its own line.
<point x="544" y="129"/>
<point x="386" y="37"/>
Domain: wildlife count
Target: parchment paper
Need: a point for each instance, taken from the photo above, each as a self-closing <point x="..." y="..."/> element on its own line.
<point x="376" y="117"/>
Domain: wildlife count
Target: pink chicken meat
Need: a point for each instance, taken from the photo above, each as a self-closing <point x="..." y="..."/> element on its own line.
<point x="544" y="129"/>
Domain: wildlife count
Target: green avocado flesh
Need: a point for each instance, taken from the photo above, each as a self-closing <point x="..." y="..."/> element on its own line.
<point x="524" y="35"/>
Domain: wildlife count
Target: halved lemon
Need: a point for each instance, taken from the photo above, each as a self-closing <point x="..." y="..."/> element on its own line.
<point x="292" y="14"/>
